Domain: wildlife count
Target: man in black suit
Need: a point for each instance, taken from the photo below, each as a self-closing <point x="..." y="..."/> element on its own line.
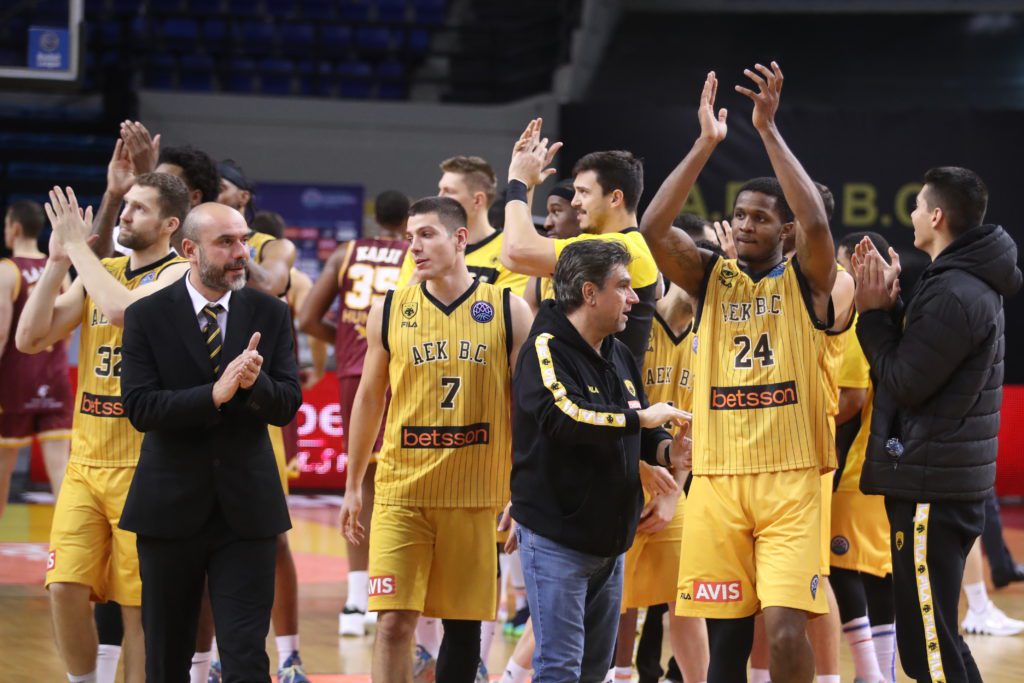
<point x="206" y="500"/>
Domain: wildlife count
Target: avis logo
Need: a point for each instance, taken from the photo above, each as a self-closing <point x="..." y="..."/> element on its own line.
<point x="717" y="591"/>
<point x="51" y="560"/>
<point x="381" y="585"/>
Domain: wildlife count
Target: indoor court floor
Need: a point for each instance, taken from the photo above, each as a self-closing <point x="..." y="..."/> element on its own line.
<point x="29" y="654"/>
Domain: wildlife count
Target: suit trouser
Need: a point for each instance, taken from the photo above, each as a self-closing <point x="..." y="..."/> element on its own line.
<point x="240" y="573"/>
<point x="930" y="543"/>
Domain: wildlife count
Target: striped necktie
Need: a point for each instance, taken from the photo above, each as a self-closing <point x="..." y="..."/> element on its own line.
<point x="214" y="340"/>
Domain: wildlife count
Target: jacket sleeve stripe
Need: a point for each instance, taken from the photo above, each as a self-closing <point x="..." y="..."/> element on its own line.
<point x="560" y="396"/>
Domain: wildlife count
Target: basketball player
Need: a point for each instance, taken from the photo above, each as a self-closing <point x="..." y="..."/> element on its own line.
<point x="135" y="153"/>
<point x="561" y="223"/>
<point x="859" y="537"/>
<point x="607" y="188"/>
<point x="358" y="274"/>
<point x="235" y="189"/>
<point x="35" y="394"/>
<point x="652" y="563"/>
<point x="91" y="558"/>
<point x="446" y="347"/>
<point x="761" y="433"/>
<point x="472" y="183"/>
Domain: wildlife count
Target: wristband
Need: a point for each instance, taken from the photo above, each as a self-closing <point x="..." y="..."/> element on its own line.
<point x="517" y="191"/>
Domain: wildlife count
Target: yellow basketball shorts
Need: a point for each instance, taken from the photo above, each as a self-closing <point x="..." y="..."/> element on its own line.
<point x="652" y="564"/>
<point x="860" y="533"/>
<point x="437" y="561"/>
<point x="826" y="521"/>
<point x="280" y="456"/>
<point x="86" y="544"/>
<point x="736" y="523"/>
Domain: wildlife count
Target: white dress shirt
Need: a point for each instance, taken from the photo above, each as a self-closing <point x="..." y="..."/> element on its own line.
<point x="199" y="302"/>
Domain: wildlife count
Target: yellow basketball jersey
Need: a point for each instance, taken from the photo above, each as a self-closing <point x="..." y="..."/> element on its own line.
<point x="667" y="366"/>
<point x="258" y="240"/>
<point x="483" y="260"/>
<point x="856" y="374"/>
<point x="642" y="269"/>
<point x="448" y="440"/>
<point x="101" y="435"/>
<point x="545" y="289"/>
<point x="760" y="404"/>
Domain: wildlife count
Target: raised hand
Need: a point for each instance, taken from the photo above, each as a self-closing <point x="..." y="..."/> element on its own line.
<point x="712" y="127"/>
<point x="866" y="246"/>
<point x="725" y="240"/>
<point x="253" y="363"/>
<point x="120" y="172"/>
<point x="143" y="150"/>
<point x="766" y="99"/>
<point x="70" y="223"/>
<point x="531" y="156"/>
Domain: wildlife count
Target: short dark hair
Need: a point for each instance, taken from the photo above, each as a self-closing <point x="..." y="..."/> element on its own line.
<point x="269" y="223"/>
<point x="770" y="186"/>
<point x="708" y="245"/>
<point x="615" y="170"/>
<point x="851" y="240"/>
<point x="199" y="168"/>
<point x="827" y="198"/>
<point x="391" y="208"/>
<point x="172" y="194"/>
<point x="693" y="225"/>
<point x="961" y="195"/>
<point x="29" y="214"/>
<point x="477" y="173"/>
<point x="588" y="260"/>
<point x="449" y="212"/>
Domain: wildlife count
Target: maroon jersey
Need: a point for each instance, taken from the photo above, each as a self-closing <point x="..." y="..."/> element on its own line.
<point x="36" y="383"/>
<point x="369" y="270"/>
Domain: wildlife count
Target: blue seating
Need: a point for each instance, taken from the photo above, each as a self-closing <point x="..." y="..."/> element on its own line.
<point x="392" y="82"/>
<point x="297" y="39"/>
<point x="159" y="72"/>
<point x="255" y="38"/>
<point x="321" y="10"/>
<point x="126" y="6"/>
<point x="374" y="40"/>
<point x="393" y="11"/>
<point x="418" y="42"/>
<point x="196" y="73"/>
<point x="180" y="34"/>
<point x="354" y="10"/>
<point x="354" y="80"/>
<point x="214" y="30"/>
<point x="243" y="8"/>
<point x="281" y="9"/>
<point x="315" y="78"/>
<point x="276" y="76"/>
<point x="165" y="6"/>
<point x="431" y="12"/>
<point x="240" y="75"/>
<point x="335" y="41"/>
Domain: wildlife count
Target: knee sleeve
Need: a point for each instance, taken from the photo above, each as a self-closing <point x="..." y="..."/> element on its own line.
<point x="109" y="625"/>
<point x="848" y="587"/>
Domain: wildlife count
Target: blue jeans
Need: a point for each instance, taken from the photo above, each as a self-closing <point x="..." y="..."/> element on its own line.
<point x="574" y="603"/>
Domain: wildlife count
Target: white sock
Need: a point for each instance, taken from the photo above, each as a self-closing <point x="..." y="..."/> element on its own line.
<point x="827" y="679"/>
<point x="623" y="673"/>
<point x="428" y="635"/>
<point x="486" y="638"/>
<point x="286" y="645"/>
<point x="107" y="657"/>
<point x="514" y="673"/>
<point x="977" y="596"/>
<point x="357" y="590"/>
<point x="87" y="678"/>
<point x="760" y="676"/>
<point x="200" y="671"/>
<point x="884" y="636"/>
<point x="858" y="636"/>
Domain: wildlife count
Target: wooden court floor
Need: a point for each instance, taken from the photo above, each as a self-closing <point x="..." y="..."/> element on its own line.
<point x="28" y="652"/>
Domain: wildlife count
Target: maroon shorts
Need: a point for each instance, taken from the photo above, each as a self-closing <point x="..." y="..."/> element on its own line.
<point x="347" y="388"/>
<point x="17" y="429"/>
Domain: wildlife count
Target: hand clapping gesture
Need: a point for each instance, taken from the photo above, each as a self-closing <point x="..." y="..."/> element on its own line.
<point x="241" y="373"/>
<point x="531" y="157"/>
<point x="766" y="99"/>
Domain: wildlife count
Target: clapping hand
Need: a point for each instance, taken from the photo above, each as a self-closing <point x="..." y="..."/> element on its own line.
<point x="766" y="99"/>
<point x="712" y="127"/>
<point x="241" y="373"/>
<point x="70" y="223"/>
<point x="680" y="453"/>
<point x="531" y="157"/>
<point x="143" y="150"/>
<point x="874" y="290"/>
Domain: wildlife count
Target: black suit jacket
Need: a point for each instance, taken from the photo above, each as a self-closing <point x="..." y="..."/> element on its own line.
<point x="195" y="456"/>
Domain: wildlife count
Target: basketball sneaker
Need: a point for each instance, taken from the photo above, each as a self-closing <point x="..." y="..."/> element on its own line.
<point x="215" y="672"/>
<point x="370" y="620"/>
<point x="352" y="622"/>
<point x="991" y="621"/>
<point x="424" y="666"/>
<point x="291" y="671"/>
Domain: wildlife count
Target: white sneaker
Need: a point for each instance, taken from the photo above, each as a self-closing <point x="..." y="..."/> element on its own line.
<point x="992" y="621"/>
<point x="352" y="622"/>
<point x="370" y="620"/>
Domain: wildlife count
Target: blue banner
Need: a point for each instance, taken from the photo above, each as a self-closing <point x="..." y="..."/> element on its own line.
<point x="49" y="48"/>
<point x="318" y="217"/>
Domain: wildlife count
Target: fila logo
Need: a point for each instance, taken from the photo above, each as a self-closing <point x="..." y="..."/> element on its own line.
<point x="51" y="560"/>
<point x="717" y="591"/>
<point x="381" y="585"/>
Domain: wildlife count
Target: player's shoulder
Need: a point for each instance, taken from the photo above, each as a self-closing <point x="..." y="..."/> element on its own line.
<point x="116" y="264"/>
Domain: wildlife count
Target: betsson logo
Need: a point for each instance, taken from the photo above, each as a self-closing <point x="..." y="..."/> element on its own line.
<point x="446" y="437"/>
<point x="757" y="396"/>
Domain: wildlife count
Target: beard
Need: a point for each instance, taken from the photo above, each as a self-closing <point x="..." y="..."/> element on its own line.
<point x="133" y="240"/>
<point x="216" y="277"/>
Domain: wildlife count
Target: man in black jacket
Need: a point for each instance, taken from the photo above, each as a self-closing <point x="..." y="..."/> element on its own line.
<point x="206" y="501"/>
<point x="581" y="427"/>
<point x="937" y="369"/>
